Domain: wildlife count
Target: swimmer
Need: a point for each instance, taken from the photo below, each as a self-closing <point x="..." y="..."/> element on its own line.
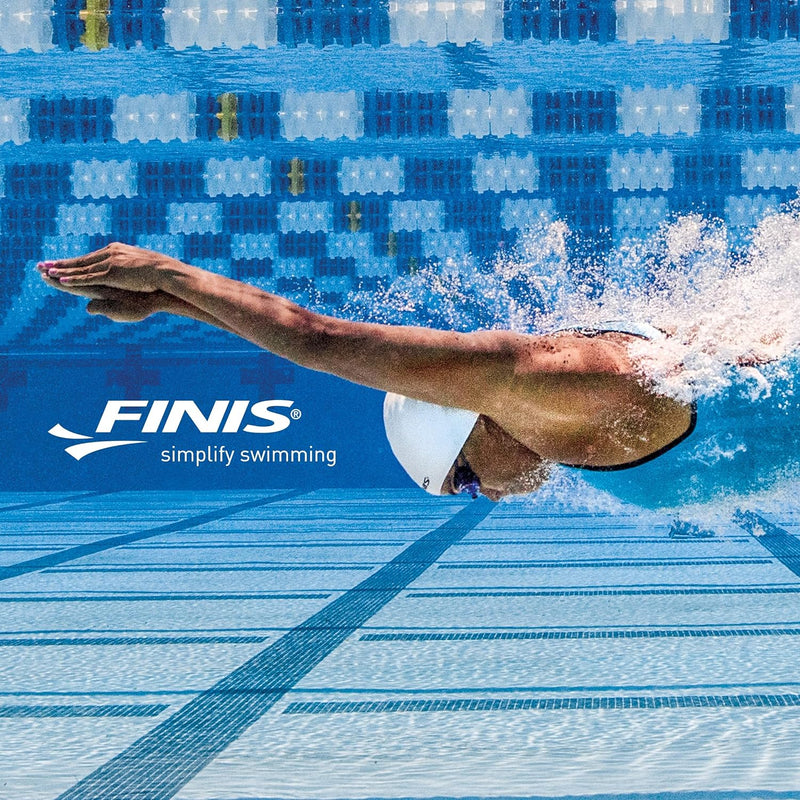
<point x="487" y="412"/>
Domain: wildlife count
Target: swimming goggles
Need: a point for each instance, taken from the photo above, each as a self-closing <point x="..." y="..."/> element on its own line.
<point x="465" y="481"/>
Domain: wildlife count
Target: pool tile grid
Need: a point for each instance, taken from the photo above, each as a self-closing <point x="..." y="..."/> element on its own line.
<point x="70" y="554"/>
<point x="191" y="738"/>
<point x="740" y="698"/>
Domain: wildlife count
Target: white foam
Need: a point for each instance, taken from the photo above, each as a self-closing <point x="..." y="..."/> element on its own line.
<point x="721" y="308"/>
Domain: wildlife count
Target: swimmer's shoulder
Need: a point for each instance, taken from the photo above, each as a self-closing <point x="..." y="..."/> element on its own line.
<point x="575" y="352"/>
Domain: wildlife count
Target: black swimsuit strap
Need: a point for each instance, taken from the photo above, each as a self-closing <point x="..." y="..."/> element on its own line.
<point x="651" y="456"/>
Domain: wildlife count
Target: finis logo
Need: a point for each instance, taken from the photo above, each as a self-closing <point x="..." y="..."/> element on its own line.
<point x="166" y="416"/>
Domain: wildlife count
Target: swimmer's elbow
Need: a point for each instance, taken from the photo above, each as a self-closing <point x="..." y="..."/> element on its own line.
<point x="311" y="341"/>
<point x="321" y="342"/>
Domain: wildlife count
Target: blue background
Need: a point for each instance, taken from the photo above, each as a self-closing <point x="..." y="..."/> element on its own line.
<point x="72" y="391"/>
<point x="356" y="143"/>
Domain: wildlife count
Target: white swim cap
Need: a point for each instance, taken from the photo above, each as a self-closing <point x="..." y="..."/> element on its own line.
<point x="426" y="438"/>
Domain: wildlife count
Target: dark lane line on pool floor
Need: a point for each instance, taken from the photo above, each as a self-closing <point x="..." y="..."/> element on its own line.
<point x="659" y="633"/>
<point x="607" y="591"/>
<point x="463" y="636"/>
<point x="784" y="546"/>
<point x="167" y="597"/>
<point x="68" y="499"/>
<point x="156" y="766"/>
<point x="127" y="641"/>
<point x="39" y="711"/>
<point x="602" y="563"/>
<point x="627" y="702"/>
<point x="72" y="553"/>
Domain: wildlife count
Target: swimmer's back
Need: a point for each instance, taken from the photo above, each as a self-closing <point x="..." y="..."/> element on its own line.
<point x="579" y="398"/>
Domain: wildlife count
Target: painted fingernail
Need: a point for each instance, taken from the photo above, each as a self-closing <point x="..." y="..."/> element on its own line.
<point x="52" y="272"/>
<point x="65" y="280"/>
<point x="48" y="264"/>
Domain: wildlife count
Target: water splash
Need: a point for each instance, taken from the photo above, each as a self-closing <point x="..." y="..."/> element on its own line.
<point x="722" y="308"/>
<point x="509" y="292"/>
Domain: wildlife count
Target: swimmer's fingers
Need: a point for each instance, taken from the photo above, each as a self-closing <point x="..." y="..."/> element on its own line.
<point x="87" y="269"/>
<point x="116" y="304"/>
<point x="78" y="291"/>
<point x="80" y="279"/>
<point x="73" y="263"/>
<point x="119" y="265"/>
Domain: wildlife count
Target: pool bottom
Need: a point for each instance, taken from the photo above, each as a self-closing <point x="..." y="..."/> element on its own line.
<point x="384" y="644"/>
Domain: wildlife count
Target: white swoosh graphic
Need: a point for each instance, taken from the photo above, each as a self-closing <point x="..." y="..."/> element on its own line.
<point x="78" y="451"/>
<point x="62" y="433"/>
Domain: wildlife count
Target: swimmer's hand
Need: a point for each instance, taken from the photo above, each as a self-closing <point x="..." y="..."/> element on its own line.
<point x="119" y="266"/>
<point x="120" y="305"/>
<point x="78" y="291"/>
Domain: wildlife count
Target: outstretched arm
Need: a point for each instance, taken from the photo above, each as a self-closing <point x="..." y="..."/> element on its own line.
<point x="471" y="370"/>
<point x="568" y="398"/>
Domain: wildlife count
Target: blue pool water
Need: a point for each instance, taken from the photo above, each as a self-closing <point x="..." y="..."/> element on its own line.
<point x="347" y="643"/>
<point x="323" y="630"/>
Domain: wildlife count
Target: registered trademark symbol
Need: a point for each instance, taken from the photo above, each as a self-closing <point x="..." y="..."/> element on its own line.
<point x="295" y="413"/>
